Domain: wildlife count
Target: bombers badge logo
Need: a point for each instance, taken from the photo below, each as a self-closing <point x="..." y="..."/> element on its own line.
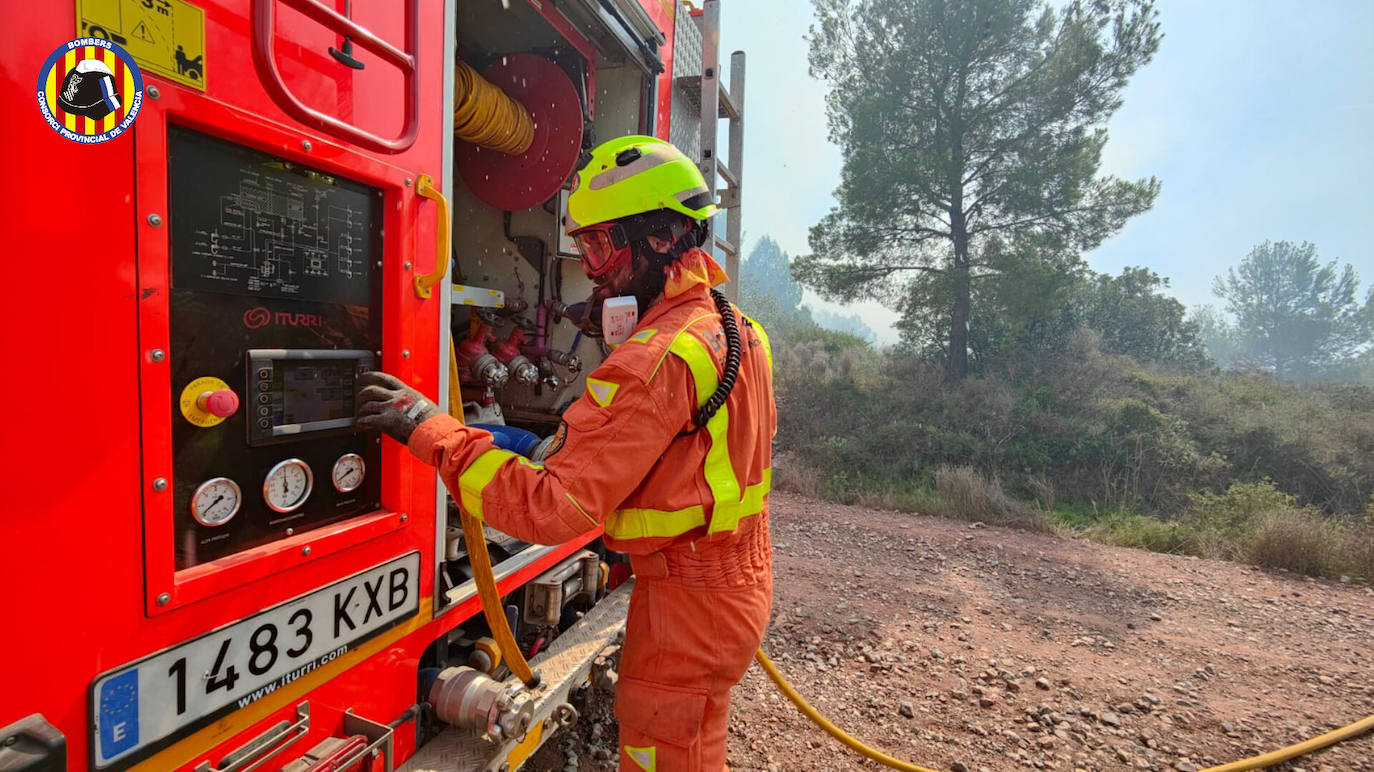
<point x="90" y="90"/>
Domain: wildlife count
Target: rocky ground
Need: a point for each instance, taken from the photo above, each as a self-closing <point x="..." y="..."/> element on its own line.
<point x="969" y="648"/>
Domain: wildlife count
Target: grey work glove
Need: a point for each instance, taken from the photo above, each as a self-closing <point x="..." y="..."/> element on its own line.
<point x="385" y="403"/>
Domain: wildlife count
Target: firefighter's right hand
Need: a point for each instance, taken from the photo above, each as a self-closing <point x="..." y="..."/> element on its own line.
<point x="385" y="403"/>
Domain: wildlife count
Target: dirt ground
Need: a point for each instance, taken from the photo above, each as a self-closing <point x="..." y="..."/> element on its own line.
<point x="969" y="648"/>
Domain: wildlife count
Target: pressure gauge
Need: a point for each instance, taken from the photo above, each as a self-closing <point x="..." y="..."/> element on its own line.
<point x="348" y="472"/>
<point x="288" y="485"/>
<point x="216" y="501"/>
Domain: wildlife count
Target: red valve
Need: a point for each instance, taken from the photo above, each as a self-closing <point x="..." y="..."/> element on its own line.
<point x="220" y="402"/>
<point x="470" y="350"/>
<point x="509" y="348"/>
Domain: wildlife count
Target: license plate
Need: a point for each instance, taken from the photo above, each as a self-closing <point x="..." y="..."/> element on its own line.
<point x="144" y="703"/>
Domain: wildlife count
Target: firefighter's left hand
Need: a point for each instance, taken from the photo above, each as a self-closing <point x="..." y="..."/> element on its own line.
<point x="385" y="403"/>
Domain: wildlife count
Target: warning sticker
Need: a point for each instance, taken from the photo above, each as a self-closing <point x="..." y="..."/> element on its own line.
<point x="166" y="37"/>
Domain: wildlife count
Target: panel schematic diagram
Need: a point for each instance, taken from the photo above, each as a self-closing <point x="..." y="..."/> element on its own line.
<point x="247" y="223"/>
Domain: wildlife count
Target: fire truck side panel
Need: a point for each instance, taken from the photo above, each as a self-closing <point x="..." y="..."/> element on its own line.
<point x="664" y="14"/>
<point x="95" y="269"/>
<point x="93" y="317"/>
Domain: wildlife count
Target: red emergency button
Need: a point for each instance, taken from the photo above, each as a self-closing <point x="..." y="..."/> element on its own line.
<point x="220" y="402"/>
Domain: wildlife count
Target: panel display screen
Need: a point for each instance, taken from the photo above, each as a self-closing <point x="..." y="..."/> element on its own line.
<point x="248" y="223"/>
<point x="316" y="391"/>
<point x="302" y="392"/>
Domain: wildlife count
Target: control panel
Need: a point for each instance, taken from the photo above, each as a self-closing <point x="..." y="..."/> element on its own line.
<point x="274" y="311"/>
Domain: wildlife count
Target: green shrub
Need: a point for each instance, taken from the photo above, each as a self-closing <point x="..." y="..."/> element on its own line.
<point x="1239" y="510"/>
<point x="1231" y="466"/>
<point x="1142" y="532"/>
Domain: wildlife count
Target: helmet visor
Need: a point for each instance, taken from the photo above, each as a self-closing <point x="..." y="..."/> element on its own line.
<point x="598" y="251"/>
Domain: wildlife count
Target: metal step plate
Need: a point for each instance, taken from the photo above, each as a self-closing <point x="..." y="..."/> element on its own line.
<point x="562" y="666"/>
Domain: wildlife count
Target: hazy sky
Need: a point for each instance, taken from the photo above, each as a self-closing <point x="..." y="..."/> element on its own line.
<point x="1256" y="116"/>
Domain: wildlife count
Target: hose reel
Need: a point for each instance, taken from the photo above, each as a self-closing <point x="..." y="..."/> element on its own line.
<point x="484" y="115"/>
<point x="520" y="125"/>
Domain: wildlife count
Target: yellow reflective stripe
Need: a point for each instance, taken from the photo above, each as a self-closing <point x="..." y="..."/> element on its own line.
<point x="763" y="336"/>
<point x="767" y="349"/>
<point x="626" y="524"/>
<point x="719" y="472"/>
<point x="602" y="392"/>
<point x="720" y="475"/>
<point x="478" y="476"/>
<point x="755" y="494"/>
<point x="590" y="519"/>
<point x="664" y="355"/>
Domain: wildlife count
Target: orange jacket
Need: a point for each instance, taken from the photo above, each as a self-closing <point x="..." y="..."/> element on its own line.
<point x="631" y="457"/>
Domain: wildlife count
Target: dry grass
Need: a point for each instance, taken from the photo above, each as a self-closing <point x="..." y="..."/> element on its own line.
<point x="960" y="494"/>
<point x="963" y="494"/>
<point x="790" y="476"/>
<point x="1358" y="548"/>
<point x="1296" y="540"/>
<point x="1283" y="537"/>
<point x="1305" y="542"/>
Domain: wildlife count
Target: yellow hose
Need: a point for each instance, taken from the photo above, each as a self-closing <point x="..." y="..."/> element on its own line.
<point x="1301" y="749"/>
<point x="1256" y="762"/>
<point x="455" y="386"/>
<point x="480" y="560"/>
<point x="491" y="600"/>
<point x="484" y="115"/>
<point x="823" y="723"/>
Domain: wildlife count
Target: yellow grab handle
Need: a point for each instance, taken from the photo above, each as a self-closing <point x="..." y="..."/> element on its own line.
<point x="424" y="186"/>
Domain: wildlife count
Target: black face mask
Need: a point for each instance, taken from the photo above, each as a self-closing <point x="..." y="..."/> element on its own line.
<point x="649" y="277"/>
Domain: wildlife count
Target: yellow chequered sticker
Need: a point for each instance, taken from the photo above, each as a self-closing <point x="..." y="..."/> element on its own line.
<point x="643" y="336"/>
<point x="165" y="37"/>
<point x="602" y="391"/>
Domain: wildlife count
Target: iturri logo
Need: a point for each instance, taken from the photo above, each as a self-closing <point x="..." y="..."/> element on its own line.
<point x="89" y="90"/>
<point x="257" y="317"/>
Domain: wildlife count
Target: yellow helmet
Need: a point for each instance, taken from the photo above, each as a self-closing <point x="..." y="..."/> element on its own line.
<point x="633" y="175"/>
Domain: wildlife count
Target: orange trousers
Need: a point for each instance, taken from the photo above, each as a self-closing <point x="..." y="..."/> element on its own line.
<point x="696" y="618"/>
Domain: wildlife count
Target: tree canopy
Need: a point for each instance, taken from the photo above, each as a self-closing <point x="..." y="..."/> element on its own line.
<point x="962" y="121"/>
<point x="765" y="272"/>
<point x="770" y="294"/>
<point x="1135" y="318"/>
<point x="1295" y="316"/>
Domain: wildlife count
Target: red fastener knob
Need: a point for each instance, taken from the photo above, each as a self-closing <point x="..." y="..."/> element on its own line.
<point x="220" y="402"/>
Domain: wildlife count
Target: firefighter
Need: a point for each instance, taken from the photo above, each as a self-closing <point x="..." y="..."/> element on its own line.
<point x="669" y="448"/>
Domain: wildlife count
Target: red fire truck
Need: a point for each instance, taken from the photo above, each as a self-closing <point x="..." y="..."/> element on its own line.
<point x="219" y="213"/>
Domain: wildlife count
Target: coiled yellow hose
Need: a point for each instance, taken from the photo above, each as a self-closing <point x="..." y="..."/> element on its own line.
<point x="484" y="115"/>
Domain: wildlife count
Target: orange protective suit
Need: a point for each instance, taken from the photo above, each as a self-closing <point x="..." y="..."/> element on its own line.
<point x="689" y="505"/>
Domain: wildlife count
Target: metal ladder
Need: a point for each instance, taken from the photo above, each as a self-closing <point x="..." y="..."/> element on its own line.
<point x="699" y="83"/>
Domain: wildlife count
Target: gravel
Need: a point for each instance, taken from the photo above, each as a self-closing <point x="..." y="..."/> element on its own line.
<point x="982" y="649"/>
